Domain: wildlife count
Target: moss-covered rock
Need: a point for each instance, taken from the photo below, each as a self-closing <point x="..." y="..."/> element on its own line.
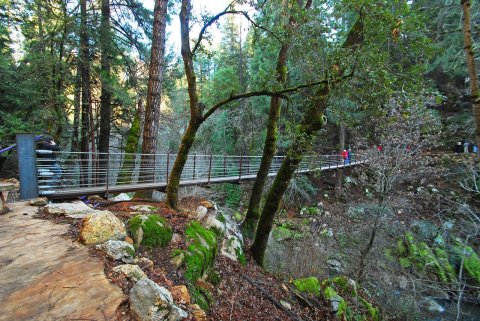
<point x="232" y="248"/>
<point x="150" y="230"/>
<point x="201" y="296"/>
<point x="339" y="305"/>
<point x="281" y="233"/>
<point x="347" y="302"/>
<point x="425" y="259"/>
<point x="471" y="261"/>
<point x="201" y="251"/>
<point x="308" y="285"/>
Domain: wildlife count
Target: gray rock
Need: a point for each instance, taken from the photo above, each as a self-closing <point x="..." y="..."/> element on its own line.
<point x="133" y="272"/>
<point x="151" y="302"/>
<point x="335" y="266"/>
<point x="431" y="305"/>
<point x="118" y="250"/>
<point x="73" y="210"/>
<point x="201" y="212"/>
<point x="39" y="201"/>
<point x="144" y="208"/>
<point x="121" y="197"/>
<point x="402" y="282"/>
<point x="232" y="248"/>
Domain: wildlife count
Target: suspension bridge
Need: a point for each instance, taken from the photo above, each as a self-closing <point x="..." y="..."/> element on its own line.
<point x="72" y="174"/>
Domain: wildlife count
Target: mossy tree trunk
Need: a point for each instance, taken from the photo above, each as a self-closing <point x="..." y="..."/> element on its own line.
<point x="472" y="71"/>
<point x="269" y="148"/>
<point x="126" y="173"/>
<point x="311" y="123"/>
<point x="182" y="155"/>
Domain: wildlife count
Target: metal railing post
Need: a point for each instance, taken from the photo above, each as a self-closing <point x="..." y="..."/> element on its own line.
<point x="194" y="165"/>
<point x="27" y="166"/>
<point x="168" y="165"/>
<point x="210" y="169"/>
<point x="108" y="171"/>
<point x="224" y="165"/>
<point x="240" y="169"/>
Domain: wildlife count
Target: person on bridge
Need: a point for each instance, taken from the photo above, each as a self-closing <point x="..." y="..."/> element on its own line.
<point x="49" y="160"/>
<point x="344" y="155"/>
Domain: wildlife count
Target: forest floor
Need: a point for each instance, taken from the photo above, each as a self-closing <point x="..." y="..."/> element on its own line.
<point x="244" y="292"/>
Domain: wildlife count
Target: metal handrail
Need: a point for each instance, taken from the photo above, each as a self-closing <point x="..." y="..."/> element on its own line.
<point x="69" y="171"/>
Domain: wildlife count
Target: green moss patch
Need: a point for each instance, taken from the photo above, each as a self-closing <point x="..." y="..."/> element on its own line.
<point x="349" y="304"/>
<point x="201" y="296"/>
<point x="281" y="233"/>
<point x="308" y="285"/>
<point x="425" y="259"/>
<point x="150" y="230"/>
<point x="201" y="251"/>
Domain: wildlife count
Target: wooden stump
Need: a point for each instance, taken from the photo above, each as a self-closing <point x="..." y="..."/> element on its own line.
<point x="5" y="188"/>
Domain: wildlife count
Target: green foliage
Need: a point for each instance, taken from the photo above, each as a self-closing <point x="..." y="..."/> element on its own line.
<point x="155" y="230"/>
<point x="232" y="194"/>
<point x="201" y="251"/>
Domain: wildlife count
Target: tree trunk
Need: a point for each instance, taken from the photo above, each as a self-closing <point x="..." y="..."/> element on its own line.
<point x="341" y="148"/>
<point x="311" y="123"/>
<point x="86" y="97"/>
<point x="76" y="104"/>
<point x="127" y="171"/>
<point x="196" y="109"/>
<point x="253" y="211"/>
<point x="176" y="173"/>
<point x="106" y="94"/>
<point x="472" y="71"/>
<point x="155" y="78"/>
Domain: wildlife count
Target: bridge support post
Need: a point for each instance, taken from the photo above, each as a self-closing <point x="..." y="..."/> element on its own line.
<point x="27" y="166"/>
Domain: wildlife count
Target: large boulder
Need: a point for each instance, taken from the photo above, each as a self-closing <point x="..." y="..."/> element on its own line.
<point x="101" y="226"/>
<point x="150" y="230"/>
<point x="151" y="302"/>
<point x="73" y="210"/>
<point x="118" y="250"/>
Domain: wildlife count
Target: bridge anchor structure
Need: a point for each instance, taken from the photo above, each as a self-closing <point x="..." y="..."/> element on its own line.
<point x="72" y="174"/>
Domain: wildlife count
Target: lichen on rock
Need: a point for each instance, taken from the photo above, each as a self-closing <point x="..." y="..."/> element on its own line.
<point x="101" y="226"/>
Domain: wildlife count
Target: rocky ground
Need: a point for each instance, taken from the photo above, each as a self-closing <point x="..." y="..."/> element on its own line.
<point x="232" y="288"/>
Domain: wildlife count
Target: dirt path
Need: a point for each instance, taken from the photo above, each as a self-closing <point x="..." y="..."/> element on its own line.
<point x="44" y="276"/>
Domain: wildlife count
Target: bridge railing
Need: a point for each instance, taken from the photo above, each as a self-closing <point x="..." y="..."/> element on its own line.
<point x="62" y="171"/>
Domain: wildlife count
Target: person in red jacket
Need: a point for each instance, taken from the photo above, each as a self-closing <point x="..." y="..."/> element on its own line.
<point x="344" y="155"/>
